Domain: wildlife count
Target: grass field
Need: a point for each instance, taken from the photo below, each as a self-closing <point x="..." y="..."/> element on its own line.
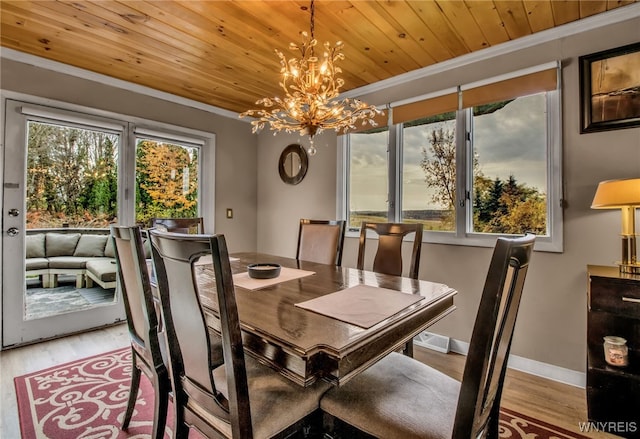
<point x="356" y="219"/>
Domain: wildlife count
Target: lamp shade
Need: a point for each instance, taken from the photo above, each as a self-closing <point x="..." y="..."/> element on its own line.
<point x="615" y="194"/>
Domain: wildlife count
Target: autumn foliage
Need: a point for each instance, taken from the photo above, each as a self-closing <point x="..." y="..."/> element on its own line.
<point x="72" y="178"/>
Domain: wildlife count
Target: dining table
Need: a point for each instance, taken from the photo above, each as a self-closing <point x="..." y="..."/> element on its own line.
<point x="316" y="321"/>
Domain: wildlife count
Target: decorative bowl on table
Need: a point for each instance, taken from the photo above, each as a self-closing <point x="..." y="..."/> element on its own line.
<point x="263" y="271"/>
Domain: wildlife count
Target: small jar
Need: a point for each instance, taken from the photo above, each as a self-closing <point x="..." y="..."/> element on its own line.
<point x="616" y="352"/>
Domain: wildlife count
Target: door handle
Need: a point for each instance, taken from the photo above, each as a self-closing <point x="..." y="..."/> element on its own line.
<point x="13" y="231"/>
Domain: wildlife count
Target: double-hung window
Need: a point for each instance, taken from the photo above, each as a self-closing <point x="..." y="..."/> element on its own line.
<point x="470" y="163"/>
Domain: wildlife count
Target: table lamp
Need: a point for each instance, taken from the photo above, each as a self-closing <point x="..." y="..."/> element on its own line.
<point x="624" y="195"/>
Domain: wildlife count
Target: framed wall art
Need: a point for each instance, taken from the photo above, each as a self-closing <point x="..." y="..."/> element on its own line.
<point x="610" y="89"/>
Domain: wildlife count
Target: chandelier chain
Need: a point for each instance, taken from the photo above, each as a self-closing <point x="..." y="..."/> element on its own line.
<point x="313" y="13"/>
<point x="311" y="86"/>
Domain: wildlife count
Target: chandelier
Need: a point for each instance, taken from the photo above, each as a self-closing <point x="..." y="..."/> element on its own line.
<point x="311" y="87"/>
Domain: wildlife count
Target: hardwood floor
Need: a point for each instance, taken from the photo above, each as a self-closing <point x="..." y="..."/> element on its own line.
<point x="549" y="401"/>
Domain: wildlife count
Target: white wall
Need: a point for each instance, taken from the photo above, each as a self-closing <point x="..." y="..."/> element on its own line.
<point x="280" y="205"/>
<point x="552" y="324"/>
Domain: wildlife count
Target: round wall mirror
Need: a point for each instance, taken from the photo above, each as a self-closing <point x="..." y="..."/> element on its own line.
<point x="293" y="164"/>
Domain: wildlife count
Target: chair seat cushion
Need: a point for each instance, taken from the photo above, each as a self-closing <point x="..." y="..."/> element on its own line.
<point x="68" y="262"/>
<point x="103" y="269"/>
<point x="276" y="402"/>
<point x="36" y="263"/>
<point x="398" y="397"/>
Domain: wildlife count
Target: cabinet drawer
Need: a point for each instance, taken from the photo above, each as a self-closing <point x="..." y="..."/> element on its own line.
<point x="616" y="296"/>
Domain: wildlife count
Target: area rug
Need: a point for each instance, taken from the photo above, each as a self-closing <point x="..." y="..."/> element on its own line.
<point x="87" y="399"/>
<point x="45" y="302"/>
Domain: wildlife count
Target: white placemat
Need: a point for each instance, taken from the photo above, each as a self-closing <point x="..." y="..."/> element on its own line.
<point x="362" y="305"/>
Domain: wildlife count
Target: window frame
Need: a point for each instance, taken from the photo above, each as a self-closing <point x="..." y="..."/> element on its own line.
<point x="179" y="138"/>
<point x="463" y="235"/>
<point x="48" y="110"/>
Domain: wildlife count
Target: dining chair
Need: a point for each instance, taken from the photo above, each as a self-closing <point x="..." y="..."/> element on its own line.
<point x="388" y="257"/>
<point x="147" y="344"/>
<point x="179" y="225"/>
<point x="321" y="241"/>
<point x="399" y="397"/>
<point x="241" y="398"/>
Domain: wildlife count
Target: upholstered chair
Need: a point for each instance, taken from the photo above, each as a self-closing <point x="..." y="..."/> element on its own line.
<point x="147" y="343"/>
<point x="321" y="241"/>
<point x="241" y="398"/>
<point x="399" y="397"/>
<point x="388" y="257"/>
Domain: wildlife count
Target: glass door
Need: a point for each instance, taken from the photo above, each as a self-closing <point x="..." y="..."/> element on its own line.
<point x="167" y="183"/>
<point x="61" y="193"/>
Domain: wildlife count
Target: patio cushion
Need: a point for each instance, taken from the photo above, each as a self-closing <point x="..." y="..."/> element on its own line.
<point x="37" y="263"/>
<point x="103" y="269"/>
<point x="61" y="244"/>
<point x="109" y="250"/>
<point x="72" y="262"/>
<point x="91" y="245"/>
<point x="35" y="246"/>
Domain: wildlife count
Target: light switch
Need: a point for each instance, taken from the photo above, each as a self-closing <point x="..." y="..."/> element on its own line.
<point x="229" y="213"/>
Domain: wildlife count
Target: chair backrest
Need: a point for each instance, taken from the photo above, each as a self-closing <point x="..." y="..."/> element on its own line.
<point x="190" y="349"/>
<point x="179" y="225"/>
<point x="133" y="275"/>
<point x="321" y="241"/>
<point x="388" y="258"/>
<point x="486" y="364"/>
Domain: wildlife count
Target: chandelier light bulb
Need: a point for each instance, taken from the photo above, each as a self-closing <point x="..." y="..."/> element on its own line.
<point x="312" y="150"/>
<point x="310" y="103"/>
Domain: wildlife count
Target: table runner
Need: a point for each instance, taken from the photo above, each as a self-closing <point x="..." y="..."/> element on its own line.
<point x="362" y="305"/>
<point x="243" y="280"/>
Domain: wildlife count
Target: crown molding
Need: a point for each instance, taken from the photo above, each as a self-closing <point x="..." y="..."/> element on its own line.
<point x="67" y="69"/>
<point x="614" y="16"/>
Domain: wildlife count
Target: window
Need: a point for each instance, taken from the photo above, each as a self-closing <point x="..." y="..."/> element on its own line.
<point x="369" y="177"/>
<point x="72" y="176"/>
<point x="428" y="172"/>
<point x="509" y="182"/>
<point x="166" y="180"/>
<point x="469" y="164"/>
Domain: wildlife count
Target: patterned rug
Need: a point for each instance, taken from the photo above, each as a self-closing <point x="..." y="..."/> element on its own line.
<point x="87" y="399"/>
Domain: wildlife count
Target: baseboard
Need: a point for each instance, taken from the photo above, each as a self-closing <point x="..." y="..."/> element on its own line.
<point x="433" y="341"/>
<point x="533" y="367"/>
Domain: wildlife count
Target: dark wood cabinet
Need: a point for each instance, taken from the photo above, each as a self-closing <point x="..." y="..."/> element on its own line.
<point x="613" y="393"/>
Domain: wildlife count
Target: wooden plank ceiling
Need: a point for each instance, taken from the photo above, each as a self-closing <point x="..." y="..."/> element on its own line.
<point x="222" y="52"/>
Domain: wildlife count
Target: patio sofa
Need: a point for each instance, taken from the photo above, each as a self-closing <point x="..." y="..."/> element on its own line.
<point x="86" y="253"/>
